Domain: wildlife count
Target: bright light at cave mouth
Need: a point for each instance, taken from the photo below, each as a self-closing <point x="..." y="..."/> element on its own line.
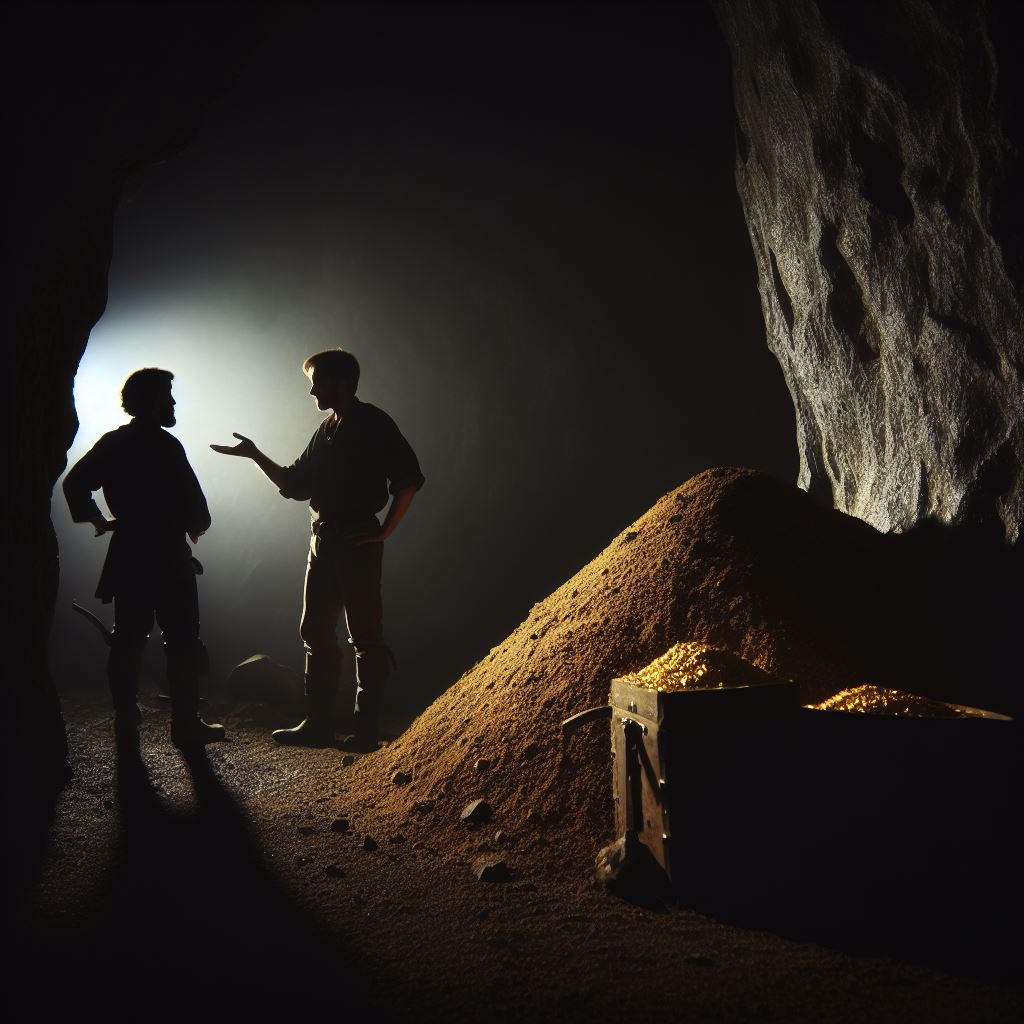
<point x="98" y="404"/>
<point x="233" y="370"/>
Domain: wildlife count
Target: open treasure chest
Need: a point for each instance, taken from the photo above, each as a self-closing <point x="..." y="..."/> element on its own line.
<point x="874" y="810"/>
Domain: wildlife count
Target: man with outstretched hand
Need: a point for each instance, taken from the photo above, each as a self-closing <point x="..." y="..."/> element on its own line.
<point x="356" y="458"/>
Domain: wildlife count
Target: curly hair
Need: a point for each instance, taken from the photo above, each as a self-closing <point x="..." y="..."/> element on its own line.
<point x="142" y="387"/>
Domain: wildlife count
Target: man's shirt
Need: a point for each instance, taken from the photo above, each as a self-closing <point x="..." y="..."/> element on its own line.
<point x="350" y="466"/>
<point x="146" y="480"/>
<point x="153" y="494"/>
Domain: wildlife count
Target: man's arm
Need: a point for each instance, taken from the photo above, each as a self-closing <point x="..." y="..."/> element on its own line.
<point x="197" y="510"/>
<point x="83" y="478"/>
<point x="246" y="449"/>
<point x="399" y="506"/>
<point x="403" y="470"/>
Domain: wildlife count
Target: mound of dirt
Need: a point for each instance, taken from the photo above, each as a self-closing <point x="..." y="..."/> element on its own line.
<point x="733" y="559"/>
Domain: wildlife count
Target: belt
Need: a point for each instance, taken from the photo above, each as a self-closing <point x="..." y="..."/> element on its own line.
<point x="318" y="526"/>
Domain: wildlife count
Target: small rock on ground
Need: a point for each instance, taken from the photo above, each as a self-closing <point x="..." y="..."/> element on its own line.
<point x="477" y="812"/>
<point x="487" y="869"/>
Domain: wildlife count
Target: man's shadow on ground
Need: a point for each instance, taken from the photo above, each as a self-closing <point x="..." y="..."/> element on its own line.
<point x="192" y="912"/>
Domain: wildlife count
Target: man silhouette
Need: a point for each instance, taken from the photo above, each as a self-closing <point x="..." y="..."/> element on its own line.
<point x="355" y="458"/>
<point x="155" y="500"/>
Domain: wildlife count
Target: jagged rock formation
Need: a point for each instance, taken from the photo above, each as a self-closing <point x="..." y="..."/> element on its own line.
<point x="874" y="168"/>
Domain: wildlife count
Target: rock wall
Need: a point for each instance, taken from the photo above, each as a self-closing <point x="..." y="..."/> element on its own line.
<point x="875" y="169"/>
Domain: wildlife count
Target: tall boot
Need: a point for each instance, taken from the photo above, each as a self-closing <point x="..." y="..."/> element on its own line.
<point x="123" y="667"/>
<point x="184" y="667"/>
<point x="317" y="728"/>
<point x="372" y="670"/>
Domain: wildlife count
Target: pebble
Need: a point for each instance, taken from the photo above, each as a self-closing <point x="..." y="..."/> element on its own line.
<point x="397" y="840"/>
<point x="501" y="837"/>
<point x="477" y="812"/>
<point x="531" y="751"/>
<point x="369" y="843"/>
<point x="306" y="830"/>
<point x="487" y="869"/>
<point x="334" y="871"/>
<point x="347" y="760"/>
<point x="423" y="806"/>
<point x="482" y="765"/>
<point x="340" y="825"/>
<point x="401" y="779"/>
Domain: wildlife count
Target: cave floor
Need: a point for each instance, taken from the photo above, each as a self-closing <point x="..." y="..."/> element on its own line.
<point x="219" y="884"/>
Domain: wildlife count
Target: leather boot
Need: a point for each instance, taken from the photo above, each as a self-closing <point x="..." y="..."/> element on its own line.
<point x="372" y="670"/>
<point x="317" y="728"/>
<point x="184" y="667"/>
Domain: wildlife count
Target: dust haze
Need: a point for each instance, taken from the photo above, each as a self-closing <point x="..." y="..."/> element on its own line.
<point x="537" y="254"/>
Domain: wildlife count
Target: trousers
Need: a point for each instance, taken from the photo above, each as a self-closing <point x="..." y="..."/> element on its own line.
<point x="344" y="577"/>
<point x="171" y="598"/>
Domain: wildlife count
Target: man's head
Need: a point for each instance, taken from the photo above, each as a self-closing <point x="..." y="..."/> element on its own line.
<point x="146" y="395"/>
<point x="333" y="377"/>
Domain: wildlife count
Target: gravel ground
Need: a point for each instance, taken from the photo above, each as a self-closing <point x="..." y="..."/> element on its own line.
<point x="220" y="883"/>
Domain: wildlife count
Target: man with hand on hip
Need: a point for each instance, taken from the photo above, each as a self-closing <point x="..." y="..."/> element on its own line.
<point x="149" y="571"/>
<point x="355" y="459"/>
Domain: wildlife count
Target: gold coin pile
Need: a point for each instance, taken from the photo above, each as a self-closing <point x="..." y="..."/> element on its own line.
<point x="874" y="700"/>
<point x="696" y="665"/>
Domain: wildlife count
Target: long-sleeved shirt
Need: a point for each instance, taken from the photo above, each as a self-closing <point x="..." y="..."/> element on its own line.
<point x="152" y="492"/>
<point x="351" y="465"/>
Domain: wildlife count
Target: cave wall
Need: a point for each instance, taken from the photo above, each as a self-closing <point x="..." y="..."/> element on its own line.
<point x="875" y="165"/>
<point x="96" y="94"/>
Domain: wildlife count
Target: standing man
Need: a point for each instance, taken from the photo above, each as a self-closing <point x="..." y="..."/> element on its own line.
<point x="149" y="571"/>
<point x="344" y="474"/>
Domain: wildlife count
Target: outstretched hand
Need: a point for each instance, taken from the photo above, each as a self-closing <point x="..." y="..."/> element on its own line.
<point x="245" y="447"/>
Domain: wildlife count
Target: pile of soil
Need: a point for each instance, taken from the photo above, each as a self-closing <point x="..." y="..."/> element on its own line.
<point x="731" y="558"/>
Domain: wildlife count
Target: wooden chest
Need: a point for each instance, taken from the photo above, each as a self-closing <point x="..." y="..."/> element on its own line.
<point x="760" y="809"/>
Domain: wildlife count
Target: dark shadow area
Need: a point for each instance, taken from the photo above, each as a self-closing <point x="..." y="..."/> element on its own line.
<point x="33" y="806"/>
<point x="192" y="916"/>
<point x="932" y="611"/>
<point x="871" y="835"/>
